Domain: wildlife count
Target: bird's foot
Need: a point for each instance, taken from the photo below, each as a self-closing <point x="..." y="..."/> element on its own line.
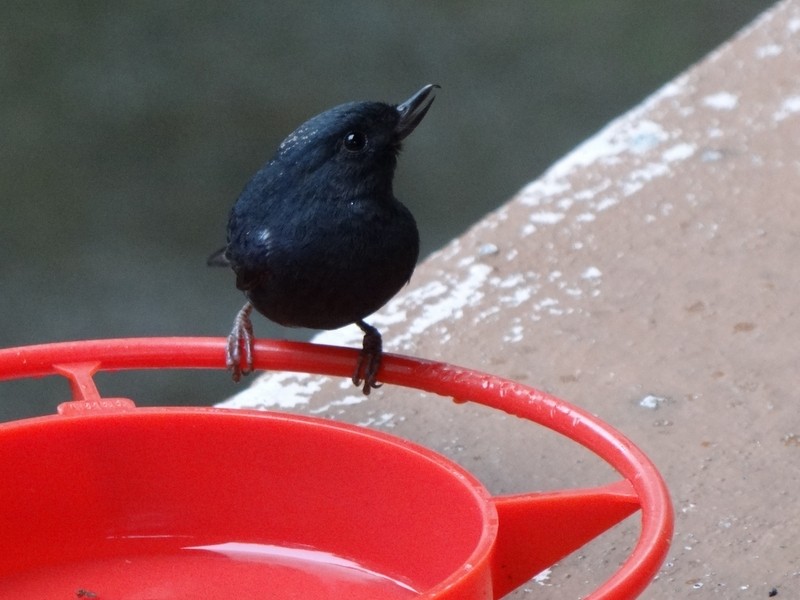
<point x="369" y="360"/>
<point x="239" y="355"/>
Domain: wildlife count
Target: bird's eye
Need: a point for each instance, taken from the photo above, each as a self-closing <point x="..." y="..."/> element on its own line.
<point x="355" y="141"/>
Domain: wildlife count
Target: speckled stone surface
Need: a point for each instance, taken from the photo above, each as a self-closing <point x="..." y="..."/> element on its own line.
<point x="651" y="277"/>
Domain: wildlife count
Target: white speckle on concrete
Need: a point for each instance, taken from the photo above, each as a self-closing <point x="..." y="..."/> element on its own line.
<point x="591" y="273"/>
<point x="721" y="101"/>
<point x="520" y="296"/>
<point x="678" y="152"/>
<point x="543" y="577"/>
<point x="652" y="402"/>
<point x="632" y="138"/>
<point x="463" y="263"/>
<point x="619" y="136"/>
<point x="486" y="313"/>
<point x="384" y="420"/>
<point x="515" y="334"/>
<point x="711" y="156"/>
<point x="639" y="177"/>
<point x="278" y="390"/>
<point x="549" y="305"/>
<point x="768" y="50"/>
<point x="488" y="249"/>
<point x="346" y="336"/>
<point x="346" y="401"/>
<point x="605" y="203"/>
<point x="788" y="107"/>
<point x="565" y="204"/>
<point x="513" y="280"/>
<point x="543" y="189"/>
<point x="646" y="136"/>
<point x="545" y="217"/>
<point x="447" y="303"/>
<point x="593" y="191"/>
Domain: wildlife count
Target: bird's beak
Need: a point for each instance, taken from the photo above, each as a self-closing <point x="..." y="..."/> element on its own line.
<point x="412" y="110"/>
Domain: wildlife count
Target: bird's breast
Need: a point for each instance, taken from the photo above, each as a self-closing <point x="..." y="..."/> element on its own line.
<point x="335" y="267"/>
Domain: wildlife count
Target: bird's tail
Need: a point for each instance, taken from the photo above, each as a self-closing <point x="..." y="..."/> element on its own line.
<point x="218" y="259"/>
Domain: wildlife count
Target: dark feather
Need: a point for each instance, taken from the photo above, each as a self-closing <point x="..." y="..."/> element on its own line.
<point x="219" y="258"/>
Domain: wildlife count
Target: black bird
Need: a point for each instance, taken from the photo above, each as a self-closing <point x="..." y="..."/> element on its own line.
<point x="317" y="238"/>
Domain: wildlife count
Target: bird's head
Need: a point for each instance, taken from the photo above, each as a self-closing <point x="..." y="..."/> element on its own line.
<point x="353" y="147"/>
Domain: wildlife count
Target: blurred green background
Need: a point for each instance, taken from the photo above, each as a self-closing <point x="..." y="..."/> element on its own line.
<point x="128" y="129"/>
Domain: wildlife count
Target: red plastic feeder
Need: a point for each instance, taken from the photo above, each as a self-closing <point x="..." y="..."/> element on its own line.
<point x="113" y="502"/>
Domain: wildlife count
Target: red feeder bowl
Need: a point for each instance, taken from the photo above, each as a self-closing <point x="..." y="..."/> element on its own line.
<point x="113" y="502"/>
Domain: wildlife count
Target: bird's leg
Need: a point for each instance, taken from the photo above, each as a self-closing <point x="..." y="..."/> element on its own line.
<point x="240" y="338"/>
<point x="369" y="360"/>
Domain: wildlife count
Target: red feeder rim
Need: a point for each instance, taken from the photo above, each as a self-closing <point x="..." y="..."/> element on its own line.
<point x="528" y="546"/>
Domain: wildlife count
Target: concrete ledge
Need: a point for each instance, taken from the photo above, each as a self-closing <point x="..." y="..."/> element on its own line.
<point x="650" y="276"/>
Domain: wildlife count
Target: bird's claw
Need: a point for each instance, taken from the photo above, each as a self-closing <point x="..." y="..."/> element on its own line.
<point x="239" y="354"/>
<point x="369" y="359"/>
